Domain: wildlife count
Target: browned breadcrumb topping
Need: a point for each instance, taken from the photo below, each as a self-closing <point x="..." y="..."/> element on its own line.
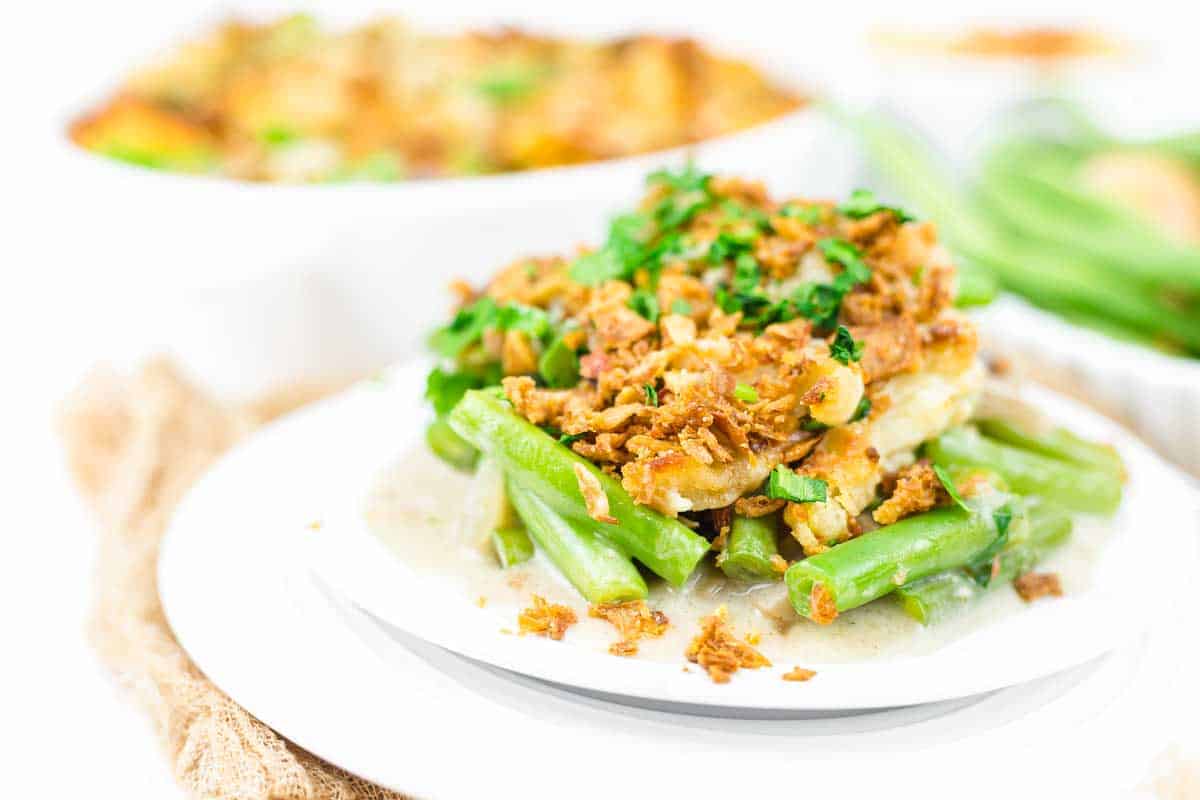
<point x="633" y="620"/>
<point x="799" y="674"/>
<point x="1034" y="585"/>
<point x="425" y="104"/>
<point x="917" y="489"/>
<point x="698" y="358"/>
<point x="721" y="653"/>
<point x="691" y="407"/>
<point x="546" y="619"/>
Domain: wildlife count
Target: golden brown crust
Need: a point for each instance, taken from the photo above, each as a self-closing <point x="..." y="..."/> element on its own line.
<point x="546" y="619"/>
<point x="633" y="620"/>
<point x="917" y="489"/>
<point x="721" y="653"/>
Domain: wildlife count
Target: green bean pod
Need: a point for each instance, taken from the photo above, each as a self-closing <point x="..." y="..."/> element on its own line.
<point x="866" y="568"/>
<point x="600" y="572"/>
<point x="1073" y="486"/>
<point x="1057" y="443"/>
<point x="512" y="545"/>
<point x="538" y="462"/>
<point x="751" y="551"/>
<point x="937" y="596"/>
<point x="449" y="446"/>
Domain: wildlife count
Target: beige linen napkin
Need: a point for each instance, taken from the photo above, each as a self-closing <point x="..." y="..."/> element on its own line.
<point x="134" y="446"/>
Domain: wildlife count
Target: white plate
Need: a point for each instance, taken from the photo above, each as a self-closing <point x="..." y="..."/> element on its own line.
<point x="326" y="459"/>
<point x="426" y="722"/>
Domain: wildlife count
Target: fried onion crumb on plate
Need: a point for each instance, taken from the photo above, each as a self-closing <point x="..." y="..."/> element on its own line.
<point x="719" y="651"/>
<point x="633" y="619"/>
<point x="799" y="675"/>
<point x="546" y="619"/>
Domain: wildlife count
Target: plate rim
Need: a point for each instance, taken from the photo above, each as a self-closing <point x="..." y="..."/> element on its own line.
<point x="662" y="681"/>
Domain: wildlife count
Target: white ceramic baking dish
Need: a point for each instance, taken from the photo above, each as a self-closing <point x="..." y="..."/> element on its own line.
<point x="281" y="281"/>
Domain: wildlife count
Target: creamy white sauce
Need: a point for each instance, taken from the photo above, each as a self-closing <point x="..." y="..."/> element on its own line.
<point x="417" y="507"/>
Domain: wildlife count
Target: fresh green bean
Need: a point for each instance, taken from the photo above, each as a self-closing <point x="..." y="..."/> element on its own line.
<point x="866" y="568"/>
<point x="539" y="463"/>
<point x="751" y="551"/>
<point x="937" y="596"/>
<point x="600" y="572"/>
<point x="1031" y="186"/>
<point x="1074" y="486"/>
<point x="512" y="545"/>
<point x="449" y="446"/>
<point x="976" y="287"/>
<point x="1057" y="443"/>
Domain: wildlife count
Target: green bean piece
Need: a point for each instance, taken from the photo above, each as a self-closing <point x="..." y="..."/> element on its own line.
<point x="512" y="545"/>
<point x="976" y="287"/>
<point x="751" y="551"/>
<point x="559" y="366"/>
<point x="1073" y="486"/>
<point x="538" y="462"/>
<point x="449" y="446"/>
<point x="1057" y="443"/>
<point x="1034" y="185"/>
<point x="937" y="596"/>
<point x="866" y="568"/>
<point x="596" y="568"/>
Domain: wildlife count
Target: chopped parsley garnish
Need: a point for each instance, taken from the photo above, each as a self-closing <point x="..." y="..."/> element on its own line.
<point x="948" y="485"/>
<point x="470" y="323"/>
<point x="559" y="366"/>
<point x="275" y="136"/>
<point x="862" y="203"/>
<point x="746" y="393"/>
<point x="819" y="302"/>
<point x="784" y="484"/>
<point x="681" y="306"/>
<point x="844" y="348"/>
<point x="981" y="566"/>
<point x="746" y="274"/>
<point x="813" y="426"/>
<point x="510" y="83"/>
<point x="730" y="244"/>
<point x="645" y="302"/>
<point x="444" y="389"/>
<point x="809" y="215"/>
<point x="569" y="438"/>
<point x="648" y="239"/>
<point x="862" y="410"/>
<point x="740" y="213"/>
<point x="688" y="179"/>
<point x="849" y="258"/>
<point x="651" y="394"/>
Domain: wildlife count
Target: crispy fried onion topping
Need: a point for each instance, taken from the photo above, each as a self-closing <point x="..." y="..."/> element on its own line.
<point x="546" y="619"/>
<point x="593" y="495"/>
<point x="633" y="620"/>
<point x="1034" y="585"/>
<point x="719" y="652"/>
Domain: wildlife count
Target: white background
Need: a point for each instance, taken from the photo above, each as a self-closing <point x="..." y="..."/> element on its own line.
<point x="62" y="721"/>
